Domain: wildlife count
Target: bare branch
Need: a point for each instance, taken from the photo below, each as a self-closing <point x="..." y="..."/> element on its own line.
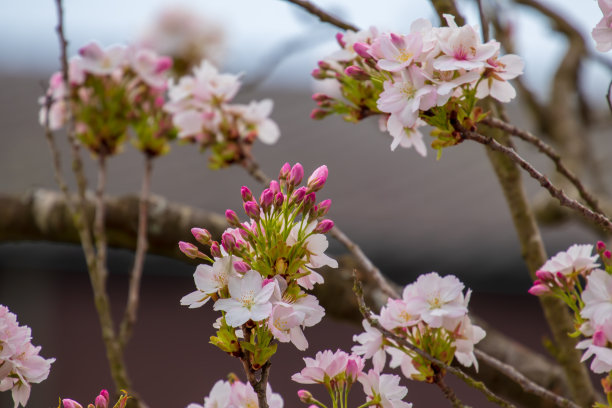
<point x="548" y="151"/>
<point x="323" y="16"/>
<point x="557" y="193"/>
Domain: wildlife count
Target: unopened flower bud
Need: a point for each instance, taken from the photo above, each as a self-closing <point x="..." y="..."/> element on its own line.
<point x="251" y="209"/>
<point x="309" y="201"/>
<point x="241" y="266"/>
<point x="354" y="367"/>
<point x="318" y="178"/>
<point x="246" y="194"/>
<point x="318" y="114"/>
<point x="296" y="175"/>
<point x="324" y="226"/>
<point x="266" y="199"/>
<point x="340" y="39"/>
<point x="601" y="246"/>
<point x="357" y="73"/>
<point x="215" y="249"/>
<point x="362" y="49"/>
<point x="538" y="289"/>
<point x="101" y="402"/>
<point x="320" y="97"/>
<point x="228" y="241"/>
<point x="305" y="396"/>
<point x="298" y="195"/>
<point x="544" y="276"/>
<point x="318" y="74"/>
<point x="323" y="208"/>
<point x="275" y="187"/>
<point x="323" y="65"/>
<point x="284" y="171"/>
<point x="201" y="235"/>
<point x="232" y="218"/>
<point x="68" y="403"/>
<point x="279" y="198"/>
<point x="607" y="254"/>
<point x="188" y="249"/>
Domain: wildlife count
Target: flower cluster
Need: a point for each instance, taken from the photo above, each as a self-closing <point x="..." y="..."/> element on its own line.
<point x="101" y="401"/>
<point x="236" y="394"/>
<point x="186" y="36"/>
<point x="339" y="371"/>
<point x="563" y="276"/>
<point x="20" y="364"/>
<point x="261" y="267"/>
<point x="433" y="75"/>
<point x="108" y="91"/>
<point x="201" y="110"/>
<point x="602" y="33"/>
<point x="432" y="315"/>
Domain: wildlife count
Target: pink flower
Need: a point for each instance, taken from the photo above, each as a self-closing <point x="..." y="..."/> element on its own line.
<point x="602" y="33"/>
<point x="406" y="136"/>
<point x="499" y="71"/>
<point x="384" y="389"/>
<point x="370" y="346"/>
<point x="324" y="367"/>
<point x="597" y="297"/>
<point x="150" y="67"/>
<point x="397" y="52"/>
<point x="577" y="258"/>
<point x="467" y="335"/>
<point x="209" y="280"/>
<point x="395" y="314"/>
<point x="284" y="324"/>
<point x="249" y="299"/>
<point x="243" y="395"/>
<point x="462" y="49"/>
<point x="98" y="61"/>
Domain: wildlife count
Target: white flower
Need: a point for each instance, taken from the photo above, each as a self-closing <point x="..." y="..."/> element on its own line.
<point x="370" y="346"/>
<point x="243" y="396"/>
<point x="602" y="33"/>
<point x="210" y="279"/>
<point x="284" y="323"/>
<point x="496" y="83"/>
<point x="406" y="136"/>
<point x="602" y="363"/>
<point x="315" y="244"/>
<point x="385" y="388"/>
<point x="577" y="258"/>
<point x="249" y="299"/>
<point x="256" y="114"/>
<point x="467" y="336"/>
<point x="597" y="298"/>
<point x="97" y="61"/>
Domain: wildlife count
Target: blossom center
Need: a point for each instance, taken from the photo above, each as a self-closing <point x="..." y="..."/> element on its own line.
<point x="404" y="56"/>
<point x="248" y="299"/>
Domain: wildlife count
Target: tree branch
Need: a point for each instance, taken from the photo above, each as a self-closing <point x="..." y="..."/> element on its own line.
<point x="323" y="16"/>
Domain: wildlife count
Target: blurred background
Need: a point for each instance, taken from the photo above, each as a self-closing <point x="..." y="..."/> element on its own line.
<point x="410" y="214"/>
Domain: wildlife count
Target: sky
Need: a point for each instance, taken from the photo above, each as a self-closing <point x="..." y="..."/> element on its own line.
<point x="256" y="29"/>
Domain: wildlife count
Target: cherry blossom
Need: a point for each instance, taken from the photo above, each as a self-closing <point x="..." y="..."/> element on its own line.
<point x="209" y="280"/>
<point x="602" y="33"/>
<point x="384" y="390"/>
<point x="249" y="299"/>
<point x="578" y="258"/>
<point x="325" y="366"/>
<point x="597" y="297"/>
<point x="370" y="346"/>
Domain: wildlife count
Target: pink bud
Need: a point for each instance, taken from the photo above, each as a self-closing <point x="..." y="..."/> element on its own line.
<point x="544" y="276"/>
<point x="309" y="200"/>
<point x="357" y="73"/>
<point x="354" y="367"/>
<point x="246" y="194"/>
<point x="318" y="178"/>
<point x="163" y="64"/>
<point x="340" y="39"/>
<point x="607" y="254"/>
<point x="274" y="187"/>
<point x="202" y="236"/>
<point x="304" y="396"/>
<point x="539" y="289"/>
<point x="318" y="114"/>
<point x="319" y="97"/>
<point x="215" y="249"/>
<point x="251" y="209"/>
<point x="68" y="403"/>
<point x="284" y="171"/>
<point x="104" y="393"/>
<point x="601" y="246"/>
<point x="323" y="208"/>
<point x="296" y="175"/>
<point x="266" y="199"/>
<point x="101" y="402"/>
<point x="241" y="266"/>
<point x="362" y="49"/>
<point x="279" y="198"/>
<point x="324" y="226"/>
<point x="599" y="338"/>
<point x="318" y="74"/>
<point x="323" y="65"/>
<point x="232" y="218"/>
<point x="298" y="195"/>
<point x="188" y="249"/>
<point x="228" y="241"/>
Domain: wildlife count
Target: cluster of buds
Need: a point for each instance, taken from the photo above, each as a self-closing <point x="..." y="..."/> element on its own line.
<point x="201" y="110"/>
<point x="236" y="394"/>
<point x="564" y="276"/>
<point x="432" y="315"/>
<point x="20" y="364"/>
<point x="101" y="401"/>
<point x="108" y="91"/>
<point x="261" y="267"/>
<point x="433" y="75"/>
<point x="339" y="371"/>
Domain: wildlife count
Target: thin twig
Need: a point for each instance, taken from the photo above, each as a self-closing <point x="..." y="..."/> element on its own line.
<point x="100" y="218"/>
<point x="448" y="392"/>
<point x="142" y="244"/>
<point x="550" y="152"/>
<point x="557" y="193"/>
<point x="526" y="384"/>
<point x="365" y="311"/>
<point x="323" y="16"/>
